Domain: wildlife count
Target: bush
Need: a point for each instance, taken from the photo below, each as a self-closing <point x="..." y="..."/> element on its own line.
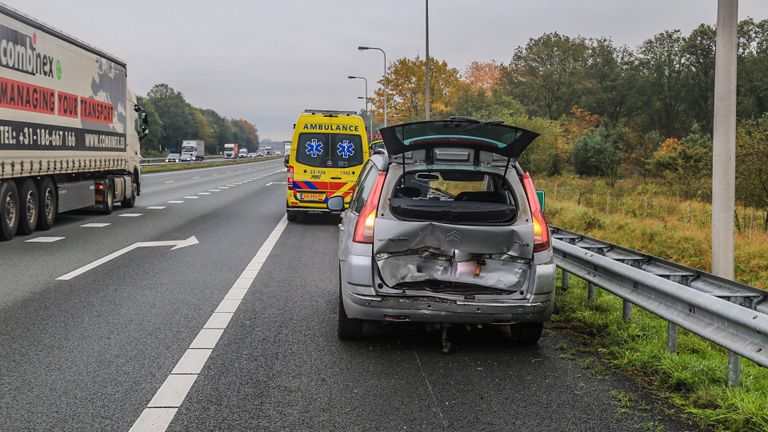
<point x="597" y="154"/>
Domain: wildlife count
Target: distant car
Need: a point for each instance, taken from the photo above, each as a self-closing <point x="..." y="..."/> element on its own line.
<point x="278" y="153"/>
<point x="376" y="145"/>
<point x="186" y="157"/>
<point x="172" y="157"/>
<point x="445" y="228"/>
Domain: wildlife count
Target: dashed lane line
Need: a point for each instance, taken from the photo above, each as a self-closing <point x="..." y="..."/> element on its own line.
<point x="95" y="225"/>
<point x="203" y="193"/>
<point x="130" y="214"/>
<point x="175" y="202"/>
<point x="44" y="239"/>
<point x="191" y="197"/>
<point x="159" y="413"/>
<point x="169" y="181"/>
<point x="155" y="207"/>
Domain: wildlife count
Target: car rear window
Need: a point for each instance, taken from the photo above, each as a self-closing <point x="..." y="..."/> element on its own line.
<point x="329" y="150"/>
<point x="453" y="196"/>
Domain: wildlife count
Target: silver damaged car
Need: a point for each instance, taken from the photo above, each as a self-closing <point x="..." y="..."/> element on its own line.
<point x="444" y="227"/>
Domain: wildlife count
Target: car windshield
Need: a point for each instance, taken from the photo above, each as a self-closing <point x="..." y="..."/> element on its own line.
<point x="329" y="150"/>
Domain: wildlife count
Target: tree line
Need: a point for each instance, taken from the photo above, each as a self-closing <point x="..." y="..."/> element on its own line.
<point x="172" y="119"/>
<point x="607" y="110"/>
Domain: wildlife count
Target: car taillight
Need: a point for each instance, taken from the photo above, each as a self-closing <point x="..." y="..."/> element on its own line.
<point x="367" y="218"/>
<point x="540" y="229"/>
<point x="290" y="178"/>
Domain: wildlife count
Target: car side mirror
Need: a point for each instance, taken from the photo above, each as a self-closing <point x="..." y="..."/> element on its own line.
<point x="142" y="122"/>
<point x="335" y="203"/>
<point x="285" y="161"/>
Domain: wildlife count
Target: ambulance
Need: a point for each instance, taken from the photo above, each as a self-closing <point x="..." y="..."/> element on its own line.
<point x="327" y="153"/>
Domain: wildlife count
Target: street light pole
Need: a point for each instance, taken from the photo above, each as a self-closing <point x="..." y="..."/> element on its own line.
<point x="724" y="152"/>
<point x="386" y="67"/>
<point x="370" y="132"/>
<point x="426" y="90"/>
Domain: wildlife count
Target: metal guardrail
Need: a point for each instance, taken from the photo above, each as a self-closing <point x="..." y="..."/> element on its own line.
<point x="728" y="313"/>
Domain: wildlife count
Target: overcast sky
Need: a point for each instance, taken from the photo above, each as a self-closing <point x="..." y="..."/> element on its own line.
<point x="266" y="61"/>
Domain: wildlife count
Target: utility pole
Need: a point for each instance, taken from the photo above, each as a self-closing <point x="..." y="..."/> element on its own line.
<point x="724" y="152"/>
<point x="426" y="90"/>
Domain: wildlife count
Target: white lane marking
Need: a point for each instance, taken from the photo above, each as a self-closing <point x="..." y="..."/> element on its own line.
<point x="130" y="214"/>
<point x="156" y="419"/>
<point x="175" y="202"/>
<point x="95" y="225"/>
<point x="206" y="339"/>
<point x="231" y="185"/>
<point x="214" y="190"/>
<point x="280" y="183"/>
<point x="195" y="178"/>
<point x="192" y="362"/>
<point x="172" y="392"/>
<point x="223" y="187"/>
<point x="191" y="197"/>
<point x="155" y="207"/>
<point x="169" y="181"/>
<point x="203" y="193"/>
<point x="177" y="244"/>
<point x="219" y="320"/>
<point x="44" y="239"/>
<point x="214" y="175"/>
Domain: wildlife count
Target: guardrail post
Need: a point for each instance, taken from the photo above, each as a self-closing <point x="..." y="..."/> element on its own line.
<point x="671" y="337"/>
<point x="626" y="310"/>
<point x="590" y="292"/>
<point x="565" y="280"/>
<point x="734" y="369"/>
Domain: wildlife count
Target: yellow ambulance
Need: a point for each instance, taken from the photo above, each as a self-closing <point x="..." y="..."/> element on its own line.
<point x="328" y="151"/>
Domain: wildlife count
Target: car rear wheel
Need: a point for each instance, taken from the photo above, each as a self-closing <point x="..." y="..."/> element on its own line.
<point x="347" y="328"/>
<point x="527" y="333"/>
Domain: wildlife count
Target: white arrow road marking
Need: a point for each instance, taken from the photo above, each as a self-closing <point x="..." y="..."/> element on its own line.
<point x="177" y="244"/>
<point x="280" y="183"/>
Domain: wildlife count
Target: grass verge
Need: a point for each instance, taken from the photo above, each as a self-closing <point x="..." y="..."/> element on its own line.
<point x="195" y="165"/>
<point x="652" y="218"/>
<point x="695" y="378"/>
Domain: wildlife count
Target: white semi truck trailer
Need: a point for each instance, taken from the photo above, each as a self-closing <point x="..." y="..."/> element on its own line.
<point x="69" y="127"/>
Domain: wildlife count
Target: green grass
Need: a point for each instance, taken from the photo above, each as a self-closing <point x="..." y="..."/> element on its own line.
<point x="194" y="165"/>
<point x="694" y="379"/>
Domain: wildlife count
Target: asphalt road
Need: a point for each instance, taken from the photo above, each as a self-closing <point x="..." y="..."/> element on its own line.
<point x="91" y="353"/>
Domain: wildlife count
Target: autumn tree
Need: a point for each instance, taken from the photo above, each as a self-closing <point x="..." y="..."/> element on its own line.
<point x="482" y="76"/>
<point x="405" y="89"/>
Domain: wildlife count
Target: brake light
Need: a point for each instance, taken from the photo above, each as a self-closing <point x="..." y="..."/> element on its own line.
<point x="367" y="218"/>
<point x="540" y="229"/>
<point x="290" y="178"/>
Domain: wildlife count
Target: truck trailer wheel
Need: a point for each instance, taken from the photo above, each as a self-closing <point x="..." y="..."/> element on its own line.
<point x="130" y="202"/>
<point x="9" y="210"/>
<point x="109" y="201"/>
<point x="48" y="204"/>
<point x="29" y="210"/>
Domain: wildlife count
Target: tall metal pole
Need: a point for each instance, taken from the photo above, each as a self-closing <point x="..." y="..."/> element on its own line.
<point x="386" y="68"/>
<point x="365" y="80"/>
<point x="426" y="90"/>
<point x="386" y="71"/>
<point x="724" y="150"/>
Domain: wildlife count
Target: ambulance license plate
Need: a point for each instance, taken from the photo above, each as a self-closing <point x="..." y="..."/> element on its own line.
<point x="317" y="197"/>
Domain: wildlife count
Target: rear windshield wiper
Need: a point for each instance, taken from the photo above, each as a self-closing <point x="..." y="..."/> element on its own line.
<point x="481" y="124"/>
